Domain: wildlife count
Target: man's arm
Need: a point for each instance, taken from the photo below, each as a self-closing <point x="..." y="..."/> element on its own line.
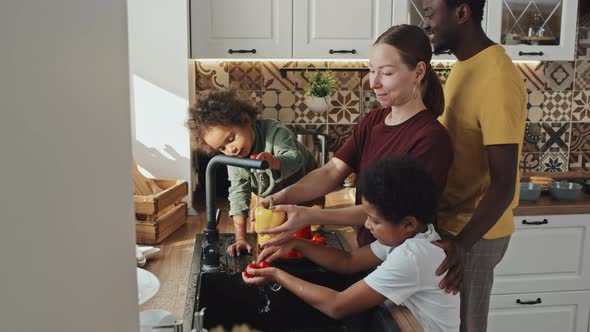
<point x="502" y="161"/>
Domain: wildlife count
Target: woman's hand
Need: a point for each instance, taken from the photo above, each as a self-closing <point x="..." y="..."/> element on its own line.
<point x="265" y="202"/>
<point x="297" y="218"/>
<point x="260" y="276"/>
<point x="236" y="247"/>
<point x="273" y="162"/>
<point x="271" y="253"/>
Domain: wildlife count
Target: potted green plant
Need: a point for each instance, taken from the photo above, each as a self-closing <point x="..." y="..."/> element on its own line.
<point x="319" y="91"/>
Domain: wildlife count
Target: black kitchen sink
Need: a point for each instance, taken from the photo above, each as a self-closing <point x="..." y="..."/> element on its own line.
<point x="229" y="301"/>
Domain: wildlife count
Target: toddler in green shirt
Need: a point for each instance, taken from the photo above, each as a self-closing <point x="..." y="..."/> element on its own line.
<point x="221" y="122"/>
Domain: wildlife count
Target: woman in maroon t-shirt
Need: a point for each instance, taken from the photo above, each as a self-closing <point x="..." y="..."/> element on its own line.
<point x="412" y="98"/>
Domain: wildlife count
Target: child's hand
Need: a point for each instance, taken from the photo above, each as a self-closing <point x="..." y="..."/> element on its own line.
<point x="238" y="246"/>
<point x="259" y="276"/>
<point x="273" y="162"/>
<point x="272" y="253"/>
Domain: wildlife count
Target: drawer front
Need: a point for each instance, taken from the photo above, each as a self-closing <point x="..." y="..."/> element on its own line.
<point x="546" y="253"/>
<point x="540" y="312"/>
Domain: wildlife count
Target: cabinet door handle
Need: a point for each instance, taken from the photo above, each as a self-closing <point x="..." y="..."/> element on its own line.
<point x="253" y="51"/>
<point x="353" y="51"/>
<point x="543" y="222"/>
<point x="537" y="301"/>
<point x="530" y="53"/>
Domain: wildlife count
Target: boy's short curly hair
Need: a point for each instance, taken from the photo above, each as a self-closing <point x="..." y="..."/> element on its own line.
<point x="399" y="187"/>
<point x="218" y="108"/>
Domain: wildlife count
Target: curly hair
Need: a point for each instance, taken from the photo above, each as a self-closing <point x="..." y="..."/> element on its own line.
<point x="475" y="5"/>
<point x="218" y="108"/>
<point x="399" y="187"/>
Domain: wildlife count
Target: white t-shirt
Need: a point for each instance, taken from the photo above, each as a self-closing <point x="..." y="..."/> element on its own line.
<point x="407" y="278"/>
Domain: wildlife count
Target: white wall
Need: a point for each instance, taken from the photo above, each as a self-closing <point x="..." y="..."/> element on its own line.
<point x="158" y="52"/>
<point x="67" y="259"/>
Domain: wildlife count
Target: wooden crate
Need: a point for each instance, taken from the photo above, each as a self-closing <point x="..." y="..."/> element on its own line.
<point x="173" y="191"/>
<point x="160" y="214"/>
<point x="163" y="226"/>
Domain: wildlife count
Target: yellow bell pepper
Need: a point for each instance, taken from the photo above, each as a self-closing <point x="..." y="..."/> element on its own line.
<point x="265" y="219"/>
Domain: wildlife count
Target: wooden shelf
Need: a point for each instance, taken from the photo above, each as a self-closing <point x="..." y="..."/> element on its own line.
<point x="543" y="38"/>
<point x="572" y="175"/>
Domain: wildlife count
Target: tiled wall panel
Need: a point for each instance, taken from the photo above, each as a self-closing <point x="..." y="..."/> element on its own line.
<point x="557" y="136"/>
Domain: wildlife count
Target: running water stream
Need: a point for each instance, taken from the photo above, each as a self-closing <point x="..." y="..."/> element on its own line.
<point x="274" y="287"/>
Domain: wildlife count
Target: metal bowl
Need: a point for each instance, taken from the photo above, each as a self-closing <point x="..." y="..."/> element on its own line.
<point x="565" y="191"/>
<point x="529" y="191"/>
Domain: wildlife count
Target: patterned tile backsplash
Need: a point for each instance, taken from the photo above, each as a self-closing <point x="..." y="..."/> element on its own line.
<point x="557" y="135"/>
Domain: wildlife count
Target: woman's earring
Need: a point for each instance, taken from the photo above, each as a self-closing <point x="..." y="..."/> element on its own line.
<point x="416" y="91"/>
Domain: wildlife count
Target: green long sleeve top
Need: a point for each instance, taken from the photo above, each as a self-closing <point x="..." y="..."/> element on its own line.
<point x="296" y="160"/>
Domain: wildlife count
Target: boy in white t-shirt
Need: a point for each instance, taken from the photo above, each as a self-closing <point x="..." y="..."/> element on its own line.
<point x="400" y="199"/>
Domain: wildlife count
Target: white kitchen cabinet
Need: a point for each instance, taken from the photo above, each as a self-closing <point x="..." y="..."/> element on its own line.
<point x="275" y="29"/>
<point x="534" y="29"/>
<point x="241" y="29"/>
<point x="540" y="312"/>
<point x="543" y="282"/>
<point x="546" y="253"/>
<point x="341" y="29"/>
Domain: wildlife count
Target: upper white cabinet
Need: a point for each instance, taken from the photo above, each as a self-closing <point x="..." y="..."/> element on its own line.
<point x="346" y="29"/>
<point x="534" y="29"/>
<point x="341" y="29"/>
<point x="241" y="29"/>
<point x="411" y="12"/>
<point x="269" y="29"/>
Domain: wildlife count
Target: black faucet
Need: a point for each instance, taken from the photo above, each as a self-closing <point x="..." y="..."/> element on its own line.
<point x="211" y="243"/>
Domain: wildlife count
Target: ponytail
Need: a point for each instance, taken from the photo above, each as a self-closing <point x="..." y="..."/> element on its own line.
<point x="414" y="46"/>
<point x="432" y="92"/>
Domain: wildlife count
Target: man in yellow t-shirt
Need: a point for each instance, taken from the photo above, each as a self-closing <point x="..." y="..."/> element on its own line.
<point x="485" y="115"/>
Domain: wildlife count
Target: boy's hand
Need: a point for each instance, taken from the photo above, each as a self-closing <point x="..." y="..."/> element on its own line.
<point x="454" y="263"/>
<point x="271" y="253"/>
<point x="273" y="162"/>
<point x="297" y="217"/>
<point x="237" y="247"/>
<point x="260" y="276"/>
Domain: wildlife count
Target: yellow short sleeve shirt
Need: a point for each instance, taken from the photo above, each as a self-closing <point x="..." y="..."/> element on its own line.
<point x="485" y="105"/>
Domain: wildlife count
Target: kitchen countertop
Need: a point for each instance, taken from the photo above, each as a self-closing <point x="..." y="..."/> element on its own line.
<point x="173" y="264"/>
<point x="546" y="204"/>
